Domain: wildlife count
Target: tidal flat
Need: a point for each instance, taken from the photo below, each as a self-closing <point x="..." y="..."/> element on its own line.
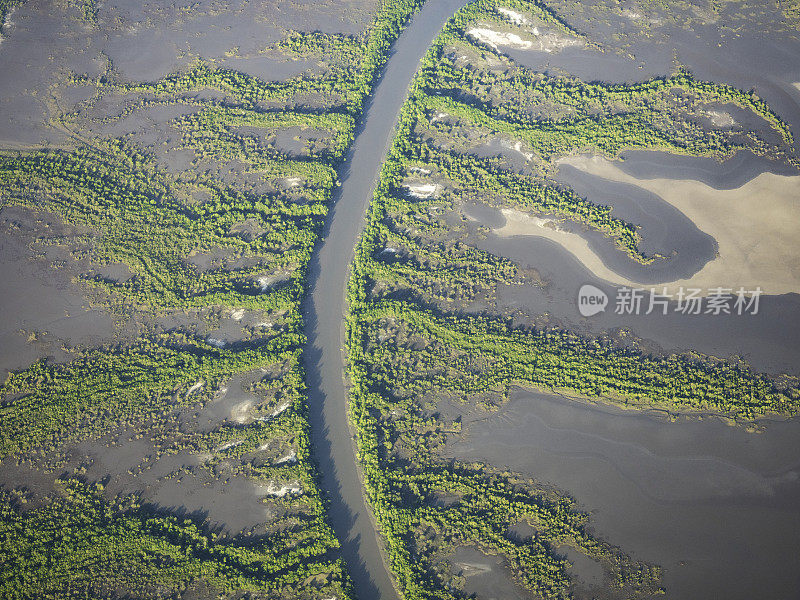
<point x="182" y="190"/>
<point x="715" y="505"/>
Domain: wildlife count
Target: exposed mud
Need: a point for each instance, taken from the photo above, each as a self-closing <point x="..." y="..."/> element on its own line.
<point x="715" y="505"/>
<point x="483" y="575"/>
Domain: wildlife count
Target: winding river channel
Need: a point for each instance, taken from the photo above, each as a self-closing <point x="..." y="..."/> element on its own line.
<point x="324" y="307"/>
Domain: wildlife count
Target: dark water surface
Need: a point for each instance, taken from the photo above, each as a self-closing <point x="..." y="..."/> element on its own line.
<point x="749" y="54"/>
<point x="727" y="175"/>
<point x="664" y="229"/>
<point x="716" y="506"/>
<point x="767" y="340"/>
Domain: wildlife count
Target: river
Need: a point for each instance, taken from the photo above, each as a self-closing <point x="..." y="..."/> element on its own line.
<point x="324" y="307"/>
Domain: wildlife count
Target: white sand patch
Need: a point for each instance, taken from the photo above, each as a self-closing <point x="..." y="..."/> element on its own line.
<point x="512" y="15"/>
<point x="237" y="314"/>
<point x="265" y="282"/>
<point x="293" y="181"/>
<point x="548" y="41"/>
<point x="419" y="171"/>
<point x="495" y="39"/>
<point x="553" y="42"/>
<point x="755" y="226"/>
<point x="421" y="190"/>
<point x="197" y="386"/>
<point x="240" y="412"/>
<point x="281" y="407"/>
<point x="631" y="14"/>
<point x="229" y="445"/>
<point x="516" y="219"/>
<point x="520" y="223"/>
<point x="216" y="342"/>
<point x="720" y="118"/>
<point x="290" y="459"/>
<point x="274" y="489"/>
<point x="517" y="147"/>
<point x="528" y="155"/>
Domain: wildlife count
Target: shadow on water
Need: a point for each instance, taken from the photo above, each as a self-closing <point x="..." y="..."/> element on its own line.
<point x="324" y="308"/>
<point x="337" y="484"/>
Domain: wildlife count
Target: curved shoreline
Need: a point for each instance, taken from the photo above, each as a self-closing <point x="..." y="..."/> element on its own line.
<point x="324" y="308"/>
<point x="754" y="249"/>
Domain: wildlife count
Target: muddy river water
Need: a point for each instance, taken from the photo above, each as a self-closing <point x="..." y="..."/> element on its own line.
<point x="324" y="308"/>
<point x="716" y="506"/>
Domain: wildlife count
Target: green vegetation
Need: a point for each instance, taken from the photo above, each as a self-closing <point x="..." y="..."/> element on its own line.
<point x="199" y="243"/>
<point x="88" y="9"/>
<point x="144" y="225"/>
<point x="459" y="103"/>
<point x="106" y="388"/>
<point x="80" y="545"/>
<point x="232" y="229"/>
<point x="791" y="11"/>
<point x="413" y="349"/>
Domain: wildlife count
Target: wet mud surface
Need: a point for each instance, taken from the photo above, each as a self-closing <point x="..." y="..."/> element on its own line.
<point x="715" y="505"/>
<point x="324" y="310"/>
<point x="767" y="340"/>
<point x="483" y="575"/>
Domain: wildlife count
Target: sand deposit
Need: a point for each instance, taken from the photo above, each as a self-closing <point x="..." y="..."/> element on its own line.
<point x="755" y="226"/>
<point x="512" y="15"/>
<point x="273" y="489"/>
<point x="720" y="118"/>
<point x="496" y="39"/>
<point x="520" y="223"/>
<point x="545" y="41"/>
<point x="422" y="190"/>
